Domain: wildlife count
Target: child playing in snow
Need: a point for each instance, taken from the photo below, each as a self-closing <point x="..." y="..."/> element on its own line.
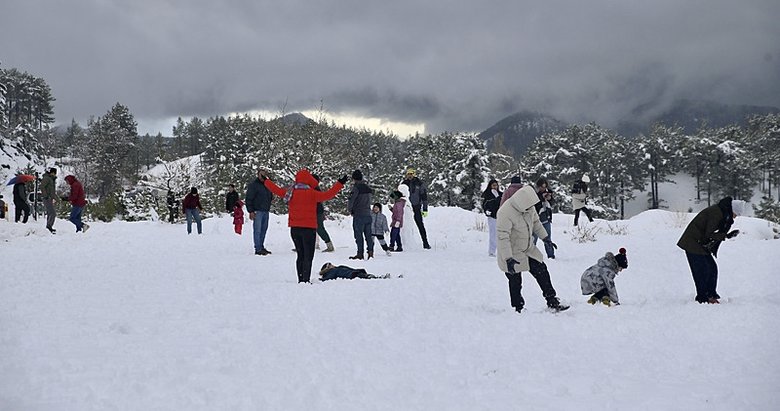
<point x="379" y="226"/>
<point x="397" y="220"/>
<point x="238" y="215"/>
<point x="332" y="272"/>
<point x="599" y="279"/>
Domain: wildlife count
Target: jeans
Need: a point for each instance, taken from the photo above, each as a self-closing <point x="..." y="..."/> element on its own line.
<point x="361" y="227"/>
<point x="705" y="276"/>
<point x="193" y="213"/>
<point x="395" y="238"/>
<point x="259" y="228"/>
<point x="75" y="217"/>
<point x="492" y="236"/>
<point x="547" y="246"/>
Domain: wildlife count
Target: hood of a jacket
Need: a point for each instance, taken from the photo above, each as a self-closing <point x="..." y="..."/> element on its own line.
<point x="608" y="261"/>
<point x="524" y="199"/>
<point x="70" y="179"/>
<point x="304" y="176"/>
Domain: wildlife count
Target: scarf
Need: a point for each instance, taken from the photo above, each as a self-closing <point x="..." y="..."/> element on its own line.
<point x="297" y="186"/>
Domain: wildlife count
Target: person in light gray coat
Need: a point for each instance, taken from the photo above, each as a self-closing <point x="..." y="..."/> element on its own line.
<point x="599" y="279"/>
<point x="517" y="220"/>
<point x="379" y="226"/>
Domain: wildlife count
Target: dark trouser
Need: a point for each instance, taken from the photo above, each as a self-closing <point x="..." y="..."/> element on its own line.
<point x="75" y="217"/>
<point x="601" y="294"/>
<point x="395" y="238"/>
<point x="172" y="211"/>
<point x="705" y="275"/>
<point x="22" y="208"/>
<point x="51" y="213"/>
<point x="381" y="240"/>
<point x="542" y="276"/>
<point x="548" y="248"/>
<point x="418" y="219"/>
<point x="361" y="227"/>
<point x="577" y="214"/>
<point x="321" y="231"/>
<point x="304" y="239"/>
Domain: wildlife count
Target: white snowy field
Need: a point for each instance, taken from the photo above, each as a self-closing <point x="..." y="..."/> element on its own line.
<point x="141" y="316"/>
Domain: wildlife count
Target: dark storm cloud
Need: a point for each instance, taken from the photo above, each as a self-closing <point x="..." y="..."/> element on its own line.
<point x="452" y="65"/>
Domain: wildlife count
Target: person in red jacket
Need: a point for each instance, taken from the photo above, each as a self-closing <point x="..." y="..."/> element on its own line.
<point x="77" y="201"/>
<point x="302" y="199"/>
<point x="192" y="209"/>
<point x="238" y="215"/>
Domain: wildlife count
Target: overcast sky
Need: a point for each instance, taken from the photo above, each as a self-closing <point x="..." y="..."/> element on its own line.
<point x="452" y="65"/>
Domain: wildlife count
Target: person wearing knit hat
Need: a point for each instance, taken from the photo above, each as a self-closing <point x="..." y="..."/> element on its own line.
<point x="579" y="196"/>
<point x="701" y="241"/>
<point x="359" y="206"/>
<point x="418" y="197"/>
<point x="599" y="279"/>
<point x="515" y="183"/>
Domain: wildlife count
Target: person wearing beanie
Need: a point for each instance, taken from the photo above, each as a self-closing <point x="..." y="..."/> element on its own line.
<point x="579" y="197"/>
<point x="515" y="184"/>
<point x="359" y="206"/>
<point x="397" y="216"/>
<point x="701" y="240"/>
<point x="418" y="197"/>
<point x="517" y="221"/>
<point x="379" y="226"/>
<point x="49" y="196"/>
<point x="599" y="279"/>
<point x="192" y="209"/>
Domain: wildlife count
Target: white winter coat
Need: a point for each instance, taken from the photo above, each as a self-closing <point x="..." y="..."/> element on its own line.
<point x="601" y="276"/>
<point x="516" y="221"/>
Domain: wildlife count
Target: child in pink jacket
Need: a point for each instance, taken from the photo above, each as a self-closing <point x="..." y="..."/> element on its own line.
<point x="397" y="220"/>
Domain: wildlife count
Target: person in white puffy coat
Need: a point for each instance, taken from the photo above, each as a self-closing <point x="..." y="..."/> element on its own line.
<point x="517" y="220"/>
<point x="599" y="279"/>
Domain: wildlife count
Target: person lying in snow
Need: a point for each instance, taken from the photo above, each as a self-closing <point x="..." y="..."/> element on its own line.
<point x="599" y="279"/>
<point x="332" y="272"/>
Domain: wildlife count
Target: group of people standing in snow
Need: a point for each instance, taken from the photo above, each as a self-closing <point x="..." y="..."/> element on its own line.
<point x="521" y="214"/>
<point x="49" y="197"/>
<point x="306" y="214"/>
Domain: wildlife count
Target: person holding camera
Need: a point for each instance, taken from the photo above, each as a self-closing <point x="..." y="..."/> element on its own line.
<point x="544" y="208"/>
<point x="701" y="240"/>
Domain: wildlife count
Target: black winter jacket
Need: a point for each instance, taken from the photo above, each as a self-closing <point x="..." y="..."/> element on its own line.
<point x="258" y="197"/>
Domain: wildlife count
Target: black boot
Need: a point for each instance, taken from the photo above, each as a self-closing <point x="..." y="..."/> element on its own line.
<point x="356" y="257"/>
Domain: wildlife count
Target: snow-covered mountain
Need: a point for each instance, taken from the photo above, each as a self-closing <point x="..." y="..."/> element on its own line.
<point x="140" y="316"/>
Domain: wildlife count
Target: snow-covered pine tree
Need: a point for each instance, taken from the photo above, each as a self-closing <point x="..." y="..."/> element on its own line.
<point x="734" y="173"/>
<point x="763" y="140"/>
<point x="659" y="150"/>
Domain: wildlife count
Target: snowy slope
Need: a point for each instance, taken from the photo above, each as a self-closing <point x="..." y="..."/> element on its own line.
<point x="140" y="316"/>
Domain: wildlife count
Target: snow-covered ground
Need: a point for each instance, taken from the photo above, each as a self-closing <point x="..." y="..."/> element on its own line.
<point x="141" y="316"/>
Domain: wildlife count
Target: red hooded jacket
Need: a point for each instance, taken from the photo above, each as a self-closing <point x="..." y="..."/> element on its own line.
<point x="77" y="197"/>
<point x="303" y="203"/>
<point x="238" y="212"/>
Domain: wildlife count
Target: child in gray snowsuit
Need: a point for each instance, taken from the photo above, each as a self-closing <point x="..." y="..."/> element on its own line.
<point x="379" y="226"/>
<point x="599" y="279"/>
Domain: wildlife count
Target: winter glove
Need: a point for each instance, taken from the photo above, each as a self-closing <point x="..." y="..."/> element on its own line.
<point x="425" y="214"/>
<point x="397" y="224"/>
<point x="732" y="234"/>
<point x="510" y="265"/>
<point x="487" y="212"/>
<point x="548" y="241"/>
<point x="343" y="180"/>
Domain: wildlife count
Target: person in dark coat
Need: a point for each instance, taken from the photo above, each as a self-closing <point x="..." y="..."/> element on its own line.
<point x="701" y="240"/>
<point x="321" y="231"/>
<point x="192" y="209"/>
<point x="230" y="198"/>
<point x="258" y="205"/>
<point x="418" y="196"/>
<point x="544" y="208"/>
<point x="20" y="202"/>
<point x="359" y="206"/>
<point x="78" y="201"/>
<point x="49" y="195"/>
<point x="2" y="207"/>
<point x="302" y="202"/>
<point x="491" y="200"/>
<point x="332" y="272"/>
